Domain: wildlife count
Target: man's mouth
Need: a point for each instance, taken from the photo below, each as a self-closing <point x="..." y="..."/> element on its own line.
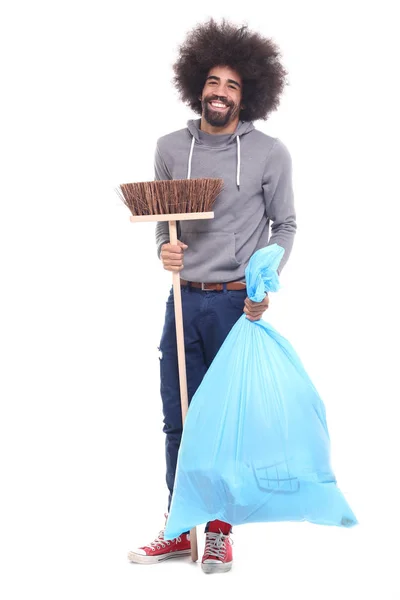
<point x="217" y="105"/>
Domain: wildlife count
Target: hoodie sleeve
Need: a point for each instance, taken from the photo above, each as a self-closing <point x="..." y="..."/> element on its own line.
<point x="278" y="195"/>
<point x="161" y="173"/>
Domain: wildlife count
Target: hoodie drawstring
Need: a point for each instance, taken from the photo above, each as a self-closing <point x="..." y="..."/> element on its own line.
<point x="189" y="171"/>
<point x="238" y="163"/>
<point x="190" y="159"/>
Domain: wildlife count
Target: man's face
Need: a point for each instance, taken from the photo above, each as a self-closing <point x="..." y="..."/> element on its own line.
<point x="222" y="96"/>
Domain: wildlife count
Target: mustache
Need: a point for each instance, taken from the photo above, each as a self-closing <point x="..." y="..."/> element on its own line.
<point x="218" y="99"/>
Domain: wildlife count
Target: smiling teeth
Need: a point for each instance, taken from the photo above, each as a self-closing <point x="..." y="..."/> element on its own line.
<point x="218" y="104"/>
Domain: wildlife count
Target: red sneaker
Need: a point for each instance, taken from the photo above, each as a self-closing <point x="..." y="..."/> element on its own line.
<point x="161" y="549"/>
<point x="217" y="557"/>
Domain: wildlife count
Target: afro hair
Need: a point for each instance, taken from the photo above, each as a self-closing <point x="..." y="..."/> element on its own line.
<point x="254" y="57"/>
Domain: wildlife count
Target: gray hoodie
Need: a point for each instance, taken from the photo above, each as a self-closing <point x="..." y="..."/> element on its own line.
<point x="257" y="174"/>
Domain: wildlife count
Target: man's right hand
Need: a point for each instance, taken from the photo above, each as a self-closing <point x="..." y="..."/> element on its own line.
<point x="172" y="256"/>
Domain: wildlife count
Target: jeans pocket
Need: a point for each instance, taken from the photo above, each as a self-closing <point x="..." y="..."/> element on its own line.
<point x="237" y="298"/>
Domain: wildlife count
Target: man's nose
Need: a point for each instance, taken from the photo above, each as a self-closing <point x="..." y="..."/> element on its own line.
<point x="221" y="96"/>
<point x="221" y="90"/>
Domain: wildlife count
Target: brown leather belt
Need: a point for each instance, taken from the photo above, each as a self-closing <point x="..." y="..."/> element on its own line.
<point x="215" y="287"/>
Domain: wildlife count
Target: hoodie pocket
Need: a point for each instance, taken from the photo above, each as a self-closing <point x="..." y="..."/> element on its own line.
<point x="210" y="252"/>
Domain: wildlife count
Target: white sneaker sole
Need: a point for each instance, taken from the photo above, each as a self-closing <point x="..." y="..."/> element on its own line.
<point x="216" y="567"/>
<point x="151" y="560"/>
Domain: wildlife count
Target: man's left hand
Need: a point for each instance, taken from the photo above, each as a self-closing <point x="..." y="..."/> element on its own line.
<point x="255" y="310"/>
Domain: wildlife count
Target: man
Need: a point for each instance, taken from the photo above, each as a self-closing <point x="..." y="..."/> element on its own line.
<point x="230" y="76"/>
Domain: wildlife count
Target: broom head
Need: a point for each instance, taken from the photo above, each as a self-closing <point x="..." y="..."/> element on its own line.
<point x="170" y="197"/>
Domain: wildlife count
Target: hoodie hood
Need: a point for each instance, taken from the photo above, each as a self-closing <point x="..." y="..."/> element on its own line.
<point x="217" y="140"/>
<point x="223" y="139"/>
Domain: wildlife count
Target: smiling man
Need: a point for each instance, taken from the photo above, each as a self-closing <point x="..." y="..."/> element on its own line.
<point x="231" y="77"/>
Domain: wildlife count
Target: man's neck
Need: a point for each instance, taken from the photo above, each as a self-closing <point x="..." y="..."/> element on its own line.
<point x="229" y="128"/>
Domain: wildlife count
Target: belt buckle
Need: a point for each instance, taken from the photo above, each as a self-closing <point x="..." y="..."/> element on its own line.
<point x="204" y="289"/>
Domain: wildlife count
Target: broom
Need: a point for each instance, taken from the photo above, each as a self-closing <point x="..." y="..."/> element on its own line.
<point x="173" y="200"/>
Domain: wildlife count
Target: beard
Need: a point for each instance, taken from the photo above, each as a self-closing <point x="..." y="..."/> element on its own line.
<point x="217" y="118"/>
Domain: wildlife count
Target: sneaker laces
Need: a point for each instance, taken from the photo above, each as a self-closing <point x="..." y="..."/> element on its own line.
<point x="215" y="544"/>
<point x="160" y="542"/>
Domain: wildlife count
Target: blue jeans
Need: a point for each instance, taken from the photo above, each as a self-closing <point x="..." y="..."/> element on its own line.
<point x="208" y="317"/>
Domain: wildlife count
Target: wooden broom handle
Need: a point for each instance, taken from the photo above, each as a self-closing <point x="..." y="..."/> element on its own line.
<point x="173" y="238"/>
<point x="179" y="327"/>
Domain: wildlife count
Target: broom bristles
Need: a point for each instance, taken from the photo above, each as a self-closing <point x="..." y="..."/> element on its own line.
<point x="171" y="196"/>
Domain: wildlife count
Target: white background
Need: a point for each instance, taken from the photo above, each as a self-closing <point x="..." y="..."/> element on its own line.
<point x="86" y="93"/>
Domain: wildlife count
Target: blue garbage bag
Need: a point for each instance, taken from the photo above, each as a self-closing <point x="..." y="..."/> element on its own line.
<point x="255" y="444"/>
